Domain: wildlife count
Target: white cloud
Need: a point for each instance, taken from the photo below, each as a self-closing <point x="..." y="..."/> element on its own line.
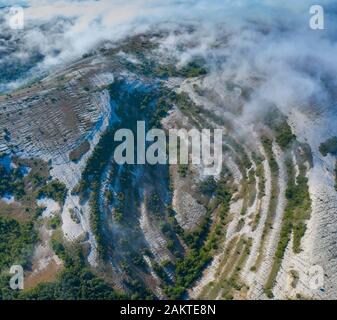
<point x="244" y="39"/>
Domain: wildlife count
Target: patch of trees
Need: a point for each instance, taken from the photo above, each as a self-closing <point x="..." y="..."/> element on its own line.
<point x="261" y="175"/>
<point x="140" y="292"/>
<point x="95" y="220"/>
<point x="278" y="123"/>
<point x="55" y="190"/>
<point x="11" y="182"/>
<point x="183" y="170"/>
<point x="162" y="107"/>
<point x="159" y="270"/>
<point x="297" y="211"/>
<point x="202" y="243"/>
<point x="268" y="147"/>
<point x="16" y="242"/>
<point x="208" y="186"/>
<point x="243" y="156"/>
<point x="96" y="163"/>
<point x="149" y="103"/>
<point x="329" y="146"/>
<point x="267" y="144"/>
<point x="54" y="222"/>
<point x="75" y="282"/>
<point x="283" y="134"/>
<point x="193" y="69"/>
<point x="298" y="205"/>
<point x="154" y="203"/>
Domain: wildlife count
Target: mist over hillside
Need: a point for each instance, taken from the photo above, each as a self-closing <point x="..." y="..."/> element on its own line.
<point x="271" y="39"/>
<point x="88" y="227"/>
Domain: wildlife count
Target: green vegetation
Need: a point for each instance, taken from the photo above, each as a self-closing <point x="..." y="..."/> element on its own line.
<point x="298" y="204"/>
<point x="208" y="186"/>
<point x="268" y="147"/>
<point x="228" y="271"/>
<point x="202" y="244"/>
<point x="166" y="71"/>
<point x="243" y="158"/>
<point x="274" y="169"/>
<point x="329" y="146"/>
<point x="224" y="268"/>
<point x="149" y="102"/>
<point x="38" y="212"/>
<point x="297" y="211"/>
<point x="153" y="203"/>
<point x="188" y="107"/>
<point x="163" y="105"/>
<point x="240" y="225"/>
<point x="257" y="218"/>
<point x="191" y="70"/>
<point x="278" y="123"/>
<point x="248" y="191"/>
<point x="95" y="221"/>
<point x="54" y="222"/>
<point x="141" y="48"/>
<point x="90" y="182"/>
<point x="75" y="282"/>
<point x="234" y="282"/>
<point x="260" y="174"/>
<point x="159" y="270"/>
<point x="16" y="242"/>
<point x="140" y="292"/>
<point x="11" y="182"/>
<point x="18" y="231"/>
<point x="96" y="164"/>
<point x="183" y="170"/>
<point x="261" y="189"/>
<point x="55" y="190"/>
<point x="284" y="135"/>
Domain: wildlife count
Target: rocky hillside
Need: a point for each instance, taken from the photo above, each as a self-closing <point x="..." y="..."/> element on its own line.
<point x="261" y="229"/>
